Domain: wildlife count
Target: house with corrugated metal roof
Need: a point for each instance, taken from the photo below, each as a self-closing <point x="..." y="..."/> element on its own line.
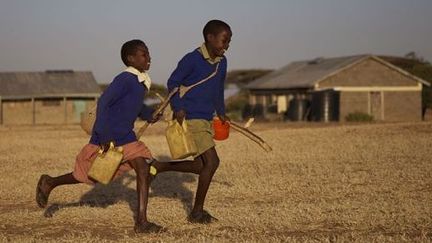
<point x="330" y="89"/>
<point x="50" y="97"/>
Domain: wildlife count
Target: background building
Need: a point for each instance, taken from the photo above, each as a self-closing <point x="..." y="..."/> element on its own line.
<point x="330" y="89"/>
<point x="50" y="97"/>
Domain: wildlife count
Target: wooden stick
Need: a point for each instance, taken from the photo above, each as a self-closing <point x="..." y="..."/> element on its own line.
<point x="159" y="96"/>
<point x="252" y="136"/>
<point x="156" y="113"/>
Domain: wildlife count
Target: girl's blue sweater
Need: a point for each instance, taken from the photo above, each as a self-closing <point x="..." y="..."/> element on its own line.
<point x="118" y="108"/>
<point x="203" y="100"/>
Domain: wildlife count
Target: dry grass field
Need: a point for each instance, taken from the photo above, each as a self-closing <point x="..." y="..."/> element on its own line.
<point x="322" y="183"/>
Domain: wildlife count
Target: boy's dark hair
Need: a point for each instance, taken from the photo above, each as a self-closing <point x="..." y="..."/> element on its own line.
<point x="130" y="48"/>
<point x="214" y="27"/>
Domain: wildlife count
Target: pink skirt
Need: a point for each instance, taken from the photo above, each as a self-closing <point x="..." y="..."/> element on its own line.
<point x="90" y="151"/>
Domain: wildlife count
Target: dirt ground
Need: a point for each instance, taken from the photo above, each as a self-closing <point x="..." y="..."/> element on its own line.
<point x="321" y="182"/>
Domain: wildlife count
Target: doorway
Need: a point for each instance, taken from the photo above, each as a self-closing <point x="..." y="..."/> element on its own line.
<point x="376" y="105"/>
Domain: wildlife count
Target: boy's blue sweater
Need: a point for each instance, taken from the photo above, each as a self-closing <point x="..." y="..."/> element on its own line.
<point x="118" y="108"/>
<point x="203" y="100"/>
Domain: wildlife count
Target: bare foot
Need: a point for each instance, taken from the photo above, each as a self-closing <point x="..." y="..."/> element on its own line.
<point x="148" y="227"/>
<point x="202" y="217"/>
<point x="42" y="191"/>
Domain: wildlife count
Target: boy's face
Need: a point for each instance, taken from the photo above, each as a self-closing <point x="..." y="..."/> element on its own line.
<point x="141" y="59"/>
<point x="218" y="44"/>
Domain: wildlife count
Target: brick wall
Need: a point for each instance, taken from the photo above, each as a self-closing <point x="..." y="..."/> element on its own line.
<point x="368" y="73"/>
<point x="46" y="112"/>
<point x="17" y="112"/>
<point x="398" y="106"/>
<point x="402" y="106"/>
<point x="351" y="102"/>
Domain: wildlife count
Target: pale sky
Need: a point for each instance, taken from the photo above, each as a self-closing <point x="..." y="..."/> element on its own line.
<point x="87" y="34"/>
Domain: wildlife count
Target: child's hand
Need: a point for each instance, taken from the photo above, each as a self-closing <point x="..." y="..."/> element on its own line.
<point x="105" y="146"/>
<point x="224" y="118"/>
<point x="155" y="118"/>
<point x="179" y="116"/>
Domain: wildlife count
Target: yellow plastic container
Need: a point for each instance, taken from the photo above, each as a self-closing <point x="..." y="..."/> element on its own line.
<point x="180" y="141"/>
<point x="106" y="164"/>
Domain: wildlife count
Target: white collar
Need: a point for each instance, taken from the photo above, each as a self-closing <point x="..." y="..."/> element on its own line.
<point x="206" y="55"/>
<point x="143" y="77"/>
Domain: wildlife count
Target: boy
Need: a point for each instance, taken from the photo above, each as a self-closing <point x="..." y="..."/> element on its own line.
<point x="118" y="107"/>
<point x="198" y="105"/>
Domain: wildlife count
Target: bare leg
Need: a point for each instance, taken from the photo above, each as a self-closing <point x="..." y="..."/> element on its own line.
<point x="47" y="183"/>
<point x="191" y="166"/>
<point x="211" y="163"/>
<point x="142" y="225"/>
<point x="205" y="166"/>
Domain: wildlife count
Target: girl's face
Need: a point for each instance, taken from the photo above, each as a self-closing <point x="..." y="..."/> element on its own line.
<point x="218" y="44"/>
<point x="141" y="59"/>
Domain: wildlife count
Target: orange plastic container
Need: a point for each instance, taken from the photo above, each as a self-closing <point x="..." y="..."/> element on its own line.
<point x="221" y="130"/>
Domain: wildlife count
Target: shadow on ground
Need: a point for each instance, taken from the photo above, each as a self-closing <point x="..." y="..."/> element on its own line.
<point x="169" y="185"/>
